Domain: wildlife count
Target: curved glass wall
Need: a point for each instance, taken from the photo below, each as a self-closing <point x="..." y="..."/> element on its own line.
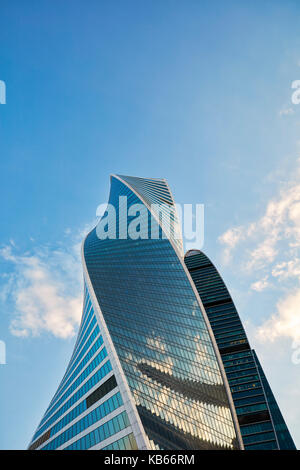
<point x="144" y="373"/>
<point x="160" y="335"/>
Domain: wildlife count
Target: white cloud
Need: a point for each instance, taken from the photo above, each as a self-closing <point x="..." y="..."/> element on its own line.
<point x="232" y="237"/>
<point x="269" y="247"/>
<point x="279" y="223"/>
<point x="286" y="111"/>
<point x="286" y="321"/>
<point x="259" y="286"/>
<point x="263" y="254"/>
<point x="45" y="288"/>
<point x="287" y="269"/>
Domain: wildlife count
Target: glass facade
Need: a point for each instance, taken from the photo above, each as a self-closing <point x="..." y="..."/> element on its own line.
<point x="87" y="396"/>
<point x="145" y="372"/>
<point x="261" y="423"/>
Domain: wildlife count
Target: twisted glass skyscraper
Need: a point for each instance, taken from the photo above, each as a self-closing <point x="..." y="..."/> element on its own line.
<point x="261" y="422"/>
<point x="146" y="372"/>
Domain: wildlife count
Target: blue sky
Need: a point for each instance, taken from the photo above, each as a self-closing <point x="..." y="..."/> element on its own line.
<point x="195" y="92"/>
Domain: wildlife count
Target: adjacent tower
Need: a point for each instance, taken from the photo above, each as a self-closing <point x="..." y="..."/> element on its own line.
<point x="146" y="372"/>
<point x="261" y="423"/>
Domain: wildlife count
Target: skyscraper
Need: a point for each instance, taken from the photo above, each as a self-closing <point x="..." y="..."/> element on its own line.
<point x="261" y="423"/>
<point x="146" y="372"/>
